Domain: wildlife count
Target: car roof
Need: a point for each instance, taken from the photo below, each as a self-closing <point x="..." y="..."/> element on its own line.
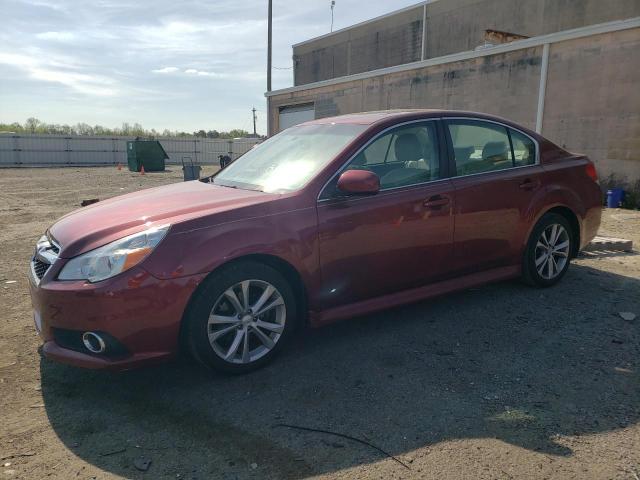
<point x="390" y="117"/>
<point x="384" y="116"/>
<point x="369" y="118"/>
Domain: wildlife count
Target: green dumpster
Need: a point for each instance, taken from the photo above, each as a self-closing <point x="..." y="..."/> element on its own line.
<point x="147" y="153"/>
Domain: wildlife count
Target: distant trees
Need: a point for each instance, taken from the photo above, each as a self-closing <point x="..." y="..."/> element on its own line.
<point x="238" y="133"/>
<point x="85" y="129"/>
<point x="34" y="125"/>
<point x="235" y="133"/>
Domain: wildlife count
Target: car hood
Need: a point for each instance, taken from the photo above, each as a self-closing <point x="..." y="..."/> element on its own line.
<point x="103" y="222"/>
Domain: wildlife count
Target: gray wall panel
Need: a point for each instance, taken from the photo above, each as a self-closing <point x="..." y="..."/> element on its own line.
<point x="25" y="150"/>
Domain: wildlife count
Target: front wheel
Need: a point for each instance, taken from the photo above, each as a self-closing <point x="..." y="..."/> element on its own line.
<point x="548" y="251"/>
<point x="241" y="318"/>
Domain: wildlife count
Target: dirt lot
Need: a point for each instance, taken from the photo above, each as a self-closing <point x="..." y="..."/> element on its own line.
<point x="503" y="381"/>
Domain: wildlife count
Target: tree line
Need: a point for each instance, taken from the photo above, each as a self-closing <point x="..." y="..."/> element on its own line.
<point x="33" y="125"/>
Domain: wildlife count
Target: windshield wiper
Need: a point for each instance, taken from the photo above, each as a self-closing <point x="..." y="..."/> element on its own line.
<point x="243" y="187"/>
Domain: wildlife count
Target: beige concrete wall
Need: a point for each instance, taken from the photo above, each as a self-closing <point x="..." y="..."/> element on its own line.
<point x="592" y="102"/>
<point x="452" y="26"/>
<point x="505" y="84"/>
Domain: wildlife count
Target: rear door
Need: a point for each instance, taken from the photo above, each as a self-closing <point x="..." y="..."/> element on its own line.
<point x="495" y="176"/>
<point x="394" y="240"/>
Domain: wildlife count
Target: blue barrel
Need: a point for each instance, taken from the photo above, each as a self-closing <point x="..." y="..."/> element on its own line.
<point x="615" y="196"/>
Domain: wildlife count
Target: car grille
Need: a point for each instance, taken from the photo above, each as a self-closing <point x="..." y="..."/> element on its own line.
<point x="39" y="268"/>
<point x="45" y="255"/>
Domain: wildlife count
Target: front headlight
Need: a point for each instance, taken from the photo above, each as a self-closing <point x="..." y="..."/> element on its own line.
<point x="113" y="258"/>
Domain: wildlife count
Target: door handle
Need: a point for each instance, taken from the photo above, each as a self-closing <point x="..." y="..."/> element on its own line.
<point x="436" y="201"/>
<point x="529" y="184"/>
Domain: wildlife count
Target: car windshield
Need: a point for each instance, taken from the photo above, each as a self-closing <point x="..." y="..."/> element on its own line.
<point x="288" y="160"/>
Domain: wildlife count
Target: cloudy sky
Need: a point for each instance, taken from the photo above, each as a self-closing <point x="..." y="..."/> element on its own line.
<point x="182" y="65"/>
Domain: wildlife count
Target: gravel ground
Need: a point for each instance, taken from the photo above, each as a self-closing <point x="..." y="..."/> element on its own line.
<point x="503" y="381"/>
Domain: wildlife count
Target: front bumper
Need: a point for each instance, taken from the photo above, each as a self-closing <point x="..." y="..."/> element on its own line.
<point x="53" y="351"/>
<point x="142" y="313"/>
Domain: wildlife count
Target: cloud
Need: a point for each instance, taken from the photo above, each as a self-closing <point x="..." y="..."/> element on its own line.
<point x="203" y="73"/>
<point x="189" y="71"/>
<point x="195" y="35"/>
<point x="81" y="83"/>
<point x="111" y="61"/>
<point x="54" y="71"/>
<point x="57" y="36"/>
<point x="166" y="70"/>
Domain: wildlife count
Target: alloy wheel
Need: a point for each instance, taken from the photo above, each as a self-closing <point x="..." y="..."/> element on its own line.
<point x="246" y="321"/>
<point x="552" y="251"/>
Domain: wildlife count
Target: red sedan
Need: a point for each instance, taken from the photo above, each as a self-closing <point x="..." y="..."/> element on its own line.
<point x="327" y="220"/>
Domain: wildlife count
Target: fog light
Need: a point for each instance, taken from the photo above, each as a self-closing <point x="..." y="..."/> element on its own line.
<point x="93" y="342"/>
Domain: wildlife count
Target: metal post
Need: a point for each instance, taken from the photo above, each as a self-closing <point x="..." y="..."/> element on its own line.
<point x="16" y="149"/>
<point x="333" y="4"/>
<point x="195" y="148"/>
<point x="269" y="25"/>
<point x="424" y="32"/>
<point x="68" y="143"/>
<point x="544" y="68"/>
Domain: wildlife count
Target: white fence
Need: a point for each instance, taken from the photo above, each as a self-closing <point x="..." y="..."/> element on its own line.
<point x="61" y="150"/>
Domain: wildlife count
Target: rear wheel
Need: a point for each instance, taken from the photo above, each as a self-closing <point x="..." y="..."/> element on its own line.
<point x="241" y="318"/>
<point x="548" y="251"/>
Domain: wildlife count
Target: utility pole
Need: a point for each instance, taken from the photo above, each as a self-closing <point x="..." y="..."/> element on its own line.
<point x="269" y="22"/>
<point x="254" y="121"/>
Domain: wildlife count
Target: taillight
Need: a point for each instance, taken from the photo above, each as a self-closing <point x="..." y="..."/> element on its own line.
<point x="590" y="170"/>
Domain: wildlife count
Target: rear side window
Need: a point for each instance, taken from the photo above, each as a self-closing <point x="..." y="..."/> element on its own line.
<point x="479" y="146"/>
<point x="524" y="149"/>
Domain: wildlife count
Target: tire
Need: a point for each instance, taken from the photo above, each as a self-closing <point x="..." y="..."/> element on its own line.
<point x="217" y="323"/>
<point x="546" y="259"/>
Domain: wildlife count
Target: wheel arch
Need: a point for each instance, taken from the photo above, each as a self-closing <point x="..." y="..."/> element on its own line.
<point x="284" y="267"/>
<point x="571" y="217"/>
<point x="289" y="272"/>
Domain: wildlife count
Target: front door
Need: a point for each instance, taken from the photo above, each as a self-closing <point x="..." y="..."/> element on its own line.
<point x="496" y="178"/>
<point x="394" y="240"/>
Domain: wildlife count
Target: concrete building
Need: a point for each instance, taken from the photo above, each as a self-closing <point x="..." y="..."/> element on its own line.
<point x="568" y="69"/>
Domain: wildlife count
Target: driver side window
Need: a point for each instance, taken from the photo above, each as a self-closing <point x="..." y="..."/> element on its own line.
<point x="407" y="155"/>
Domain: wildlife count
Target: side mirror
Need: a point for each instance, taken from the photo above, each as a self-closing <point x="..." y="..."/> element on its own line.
<point x="359" y="182"/>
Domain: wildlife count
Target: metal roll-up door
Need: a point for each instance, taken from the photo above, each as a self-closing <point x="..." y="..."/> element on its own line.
<point x="295" y="114"/>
